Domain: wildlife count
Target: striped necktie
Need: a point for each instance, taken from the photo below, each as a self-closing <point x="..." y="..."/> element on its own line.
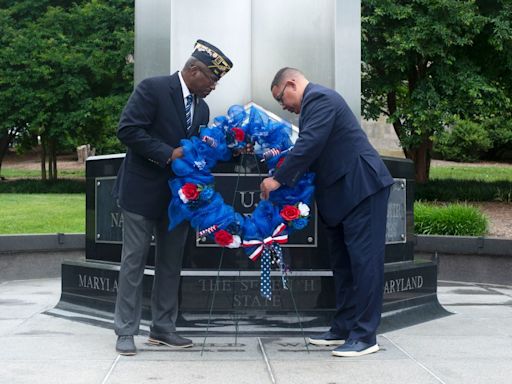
<point x="188" y="111"/>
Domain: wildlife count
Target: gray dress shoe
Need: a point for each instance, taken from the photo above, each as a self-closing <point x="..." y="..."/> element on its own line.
<point x="169" y="339"/>
<point x="125" y="346"/>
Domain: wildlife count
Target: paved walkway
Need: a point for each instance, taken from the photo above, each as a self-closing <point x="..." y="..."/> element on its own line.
<point x="472" y="346"/>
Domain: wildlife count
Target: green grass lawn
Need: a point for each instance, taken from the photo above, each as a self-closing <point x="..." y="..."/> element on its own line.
<point x="16" y="173"/>
<point x="471" y="173"/>
<point x="42" y="213"/>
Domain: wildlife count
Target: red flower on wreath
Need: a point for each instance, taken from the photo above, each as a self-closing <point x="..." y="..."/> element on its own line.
<point x="290" y="212"/>
<point x="239" y="134"/>
<point x="223" y="238"/>
<point x="190" y="191"/>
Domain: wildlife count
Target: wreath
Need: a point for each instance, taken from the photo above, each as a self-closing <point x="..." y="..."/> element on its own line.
<point x="194" y="197"/>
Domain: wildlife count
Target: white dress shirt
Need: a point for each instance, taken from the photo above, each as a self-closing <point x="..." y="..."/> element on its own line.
<point x="186" y="92"/>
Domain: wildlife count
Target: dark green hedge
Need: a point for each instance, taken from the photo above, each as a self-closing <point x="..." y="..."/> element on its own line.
<point x="464" y="190"/>
<point x="38" y="186"/>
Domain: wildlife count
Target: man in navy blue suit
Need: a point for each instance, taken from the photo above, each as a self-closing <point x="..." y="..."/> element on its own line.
<point x="160" y="112"/>
<point x="351" y="190"/>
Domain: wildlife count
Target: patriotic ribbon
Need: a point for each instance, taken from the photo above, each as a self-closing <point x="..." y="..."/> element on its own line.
<point x="210" y="141"/>
<point x="276" y="237"/>
<point x="267" y="259"/>
<point x="267" y="155"/>
<point x="268" y="247"/>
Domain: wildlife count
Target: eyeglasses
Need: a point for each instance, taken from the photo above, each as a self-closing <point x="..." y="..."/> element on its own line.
<point x="279" y="98"/>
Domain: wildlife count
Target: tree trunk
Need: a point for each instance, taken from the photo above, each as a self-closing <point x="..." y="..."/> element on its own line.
<point x="397" y="125"/>
<point x="43" y="158"/>
<point x="53" y="159"/>
<point x="49" y="155"/>
<point x="421" y="157"/>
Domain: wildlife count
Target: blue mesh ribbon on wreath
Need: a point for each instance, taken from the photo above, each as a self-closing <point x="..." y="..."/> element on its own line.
<point x="194" y="197"/>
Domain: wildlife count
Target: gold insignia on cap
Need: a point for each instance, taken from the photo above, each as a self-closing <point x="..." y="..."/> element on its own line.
<point x="219" y="65"/>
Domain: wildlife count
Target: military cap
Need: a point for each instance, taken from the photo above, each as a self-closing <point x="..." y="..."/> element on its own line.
<point x="212" y="57"/>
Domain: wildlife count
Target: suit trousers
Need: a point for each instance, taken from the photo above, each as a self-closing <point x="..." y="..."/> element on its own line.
<point x="357" y="249"/>
<point x="169" y="247"/>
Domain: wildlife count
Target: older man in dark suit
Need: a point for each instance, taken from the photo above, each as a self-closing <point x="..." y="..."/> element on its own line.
<point x="160" y="112"/>
<point x="351" y="189"/>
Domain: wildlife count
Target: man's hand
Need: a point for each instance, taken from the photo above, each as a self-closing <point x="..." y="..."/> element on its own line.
<point x="177" y="153"/>
<point x="268" y="185"/>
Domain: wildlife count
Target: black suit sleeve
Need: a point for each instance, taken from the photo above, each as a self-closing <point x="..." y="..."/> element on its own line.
<point x="136" y="122"/>
<point x="317" y="123"/>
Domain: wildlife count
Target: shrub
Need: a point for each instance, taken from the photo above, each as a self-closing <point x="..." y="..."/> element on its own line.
<point x="464" y="190"/>
<point x="451" y="219"/>
<point x="500" y="133"/>
<point x="38" y="186"/>
<point x="465" y="141"/>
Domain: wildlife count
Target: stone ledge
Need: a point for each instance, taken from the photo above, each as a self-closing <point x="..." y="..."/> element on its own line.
<point x="47" y="242"/>
<point x="463" y="245"/>
<point x="36" y="265"/>
<point x="470" y="259"/>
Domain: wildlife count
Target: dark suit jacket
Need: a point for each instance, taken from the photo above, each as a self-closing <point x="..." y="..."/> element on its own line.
<point x="151" y="126"/>
<point x="332" y="144"/>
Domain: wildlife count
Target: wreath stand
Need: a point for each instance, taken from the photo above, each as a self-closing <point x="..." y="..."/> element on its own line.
<point x="243" y="162"/>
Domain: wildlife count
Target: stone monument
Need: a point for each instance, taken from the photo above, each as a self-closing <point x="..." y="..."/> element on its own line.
<point x="231" y="289"/>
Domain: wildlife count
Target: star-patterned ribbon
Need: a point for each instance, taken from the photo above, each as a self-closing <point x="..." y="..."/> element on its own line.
<point x="271" y="254"/>
<point x="265" y="289"/>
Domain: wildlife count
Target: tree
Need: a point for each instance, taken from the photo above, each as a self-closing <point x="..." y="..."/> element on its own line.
<point x="63" y="73"/>
<point x="421" y="69"/>
<point x="15" y="105"/>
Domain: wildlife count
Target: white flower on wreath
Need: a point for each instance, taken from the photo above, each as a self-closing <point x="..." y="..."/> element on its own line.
<point x="182" y="196"/>
<point x="236" y="242"/>
<point x="304" y="209"/>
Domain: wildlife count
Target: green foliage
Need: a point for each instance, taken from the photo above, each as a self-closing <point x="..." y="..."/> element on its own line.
<point x="427" y="62"/>
<point x="499" y="130"/>
<point x="464" y="190"/>
<point x="452" y="219"/>
<point x="42" y="213"/>
<point x="64" y="186"/>
<point x="464" y="142"/>
<point x="64" y="72"/>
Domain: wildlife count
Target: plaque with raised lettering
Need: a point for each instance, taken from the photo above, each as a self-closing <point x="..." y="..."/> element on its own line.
<point x="396" y="224"/>
<point x="109" y="221"/>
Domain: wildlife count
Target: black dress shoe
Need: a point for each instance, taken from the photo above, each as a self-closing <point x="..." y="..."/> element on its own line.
<point x="169" y="339"/>
<point x="125" y="346"/>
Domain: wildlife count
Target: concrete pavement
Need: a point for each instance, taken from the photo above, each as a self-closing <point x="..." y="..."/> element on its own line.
<point x="474" y="345"/>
